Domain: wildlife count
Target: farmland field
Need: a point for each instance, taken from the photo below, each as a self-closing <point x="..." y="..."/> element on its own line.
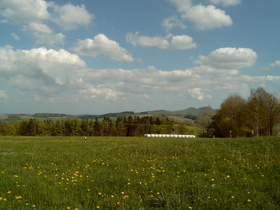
<point x="139" y="173"/>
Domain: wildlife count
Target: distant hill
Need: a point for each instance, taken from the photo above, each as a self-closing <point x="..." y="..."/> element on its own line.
<point x="46" y="115"/>
<point x="181" y="113"/>
<point x="42" y="116"/>
<point x="120" y="114"/>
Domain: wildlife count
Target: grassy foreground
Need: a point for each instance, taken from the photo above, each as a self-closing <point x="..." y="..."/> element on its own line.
<point x="139" y="173"/>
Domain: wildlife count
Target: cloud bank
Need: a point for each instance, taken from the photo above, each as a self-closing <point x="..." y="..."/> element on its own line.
<point x="57" y="74"/>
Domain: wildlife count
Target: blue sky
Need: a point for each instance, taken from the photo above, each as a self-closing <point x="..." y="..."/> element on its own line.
<point x="95" y="57"/>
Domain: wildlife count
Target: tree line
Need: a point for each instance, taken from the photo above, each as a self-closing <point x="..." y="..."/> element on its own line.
<point x="256" y="116"/>
<point x="122" y="126"/>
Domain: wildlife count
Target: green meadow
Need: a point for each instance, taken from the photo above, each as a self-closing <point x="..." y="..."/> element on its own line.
<point x="139" y="173"/>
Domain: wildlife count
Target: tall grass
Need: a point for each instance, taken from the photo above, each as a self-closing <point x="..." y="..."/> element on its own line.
<point x="139" y="173"/>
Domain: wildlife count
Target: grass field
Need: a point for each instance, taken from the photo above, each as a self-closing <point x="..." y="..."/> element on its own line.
<point x="139" y="173"/>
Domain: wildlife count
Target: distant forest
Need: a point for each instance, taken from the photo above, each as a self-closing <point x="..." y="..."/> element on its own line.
<point x="122" y="126"/>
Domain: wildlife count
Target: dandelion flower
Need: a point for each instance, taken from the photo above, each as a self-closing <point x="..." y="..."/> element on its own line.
<point x="212" y="180"/>
<point x="232" y="197"/>
<point x="249" y="200"/>
<point x="126" y="196"/>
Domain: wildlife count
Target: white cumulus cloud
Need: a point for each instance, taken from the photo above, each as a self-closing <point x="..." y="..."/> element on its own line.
<point x="203" y="17"/>
<point x="229" y="58"/>
<point x="70" y="17"/>
<point x="207" y="17"/>
<point x="24" y="11"/>
<point x="67" y="16"/>
<point x="139" y="40"/>
<point x="39" y="69"/>
<point x="101" y="45"/>
<point x="181" y="42"/>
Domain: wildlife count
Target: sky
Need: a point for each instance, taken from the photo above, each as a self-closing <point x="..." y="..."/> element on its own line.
<point x="96" y="56"/>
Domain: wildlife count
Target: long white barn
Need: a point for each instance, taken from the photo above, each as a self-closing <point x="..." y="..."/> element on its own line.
<point x="169" y="135"/>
